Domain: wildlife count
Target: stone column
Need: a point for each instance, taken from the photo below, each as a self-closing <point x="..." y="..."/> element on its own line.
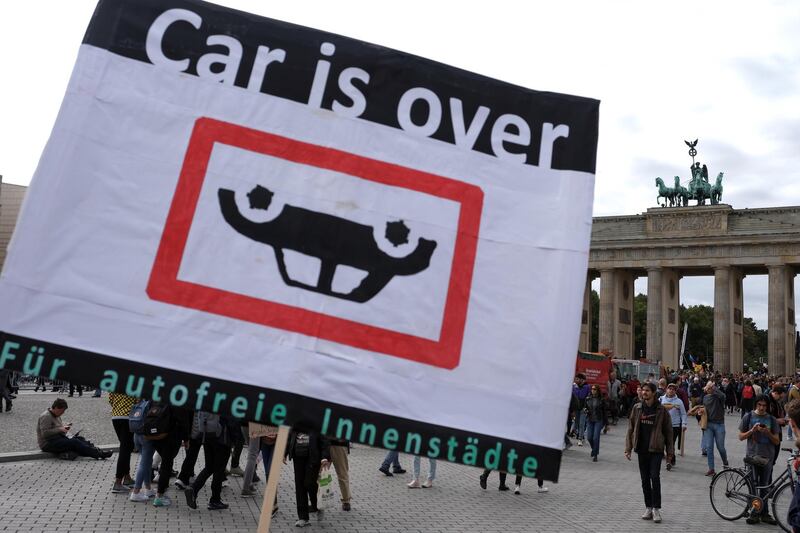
<point x="776" y="320"/>
<point x="736" y="320"/>
<point x="655" y="317"/>
<point x="722" y="313"/>
<point x="670" y="329"/>
<point x="606" y="318"/>
<point x="791" y="323"/>
<point x="586" y="318"/>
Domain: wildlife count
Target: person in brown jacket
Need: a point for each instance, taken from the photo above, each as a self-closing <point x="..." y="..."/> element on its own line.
<point x="649" y="433"/>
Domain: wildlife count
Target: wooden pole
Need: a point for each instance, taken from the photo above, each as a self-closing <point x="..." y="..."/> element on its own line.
<point x="271" y="491"/>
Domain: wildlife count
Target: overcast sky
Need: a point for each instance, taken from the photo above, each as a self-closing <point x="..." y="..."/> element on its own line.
<point x="727" y="73"/>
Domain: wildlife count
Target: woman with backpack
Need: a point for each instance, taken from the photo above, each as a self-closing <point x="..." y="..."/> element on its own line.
<point x="215" y="433"/>
<point x="146" y="450"/>
<point x="748" y="397"/>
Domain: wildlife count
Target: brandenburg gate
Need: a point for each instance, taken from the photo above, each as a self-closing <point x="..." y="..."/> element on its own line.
<point x="668" y="243"/>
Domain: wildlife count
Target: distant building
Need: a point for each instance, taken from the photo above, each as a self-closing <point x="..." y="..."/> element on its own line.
<point x="10" y="202"/>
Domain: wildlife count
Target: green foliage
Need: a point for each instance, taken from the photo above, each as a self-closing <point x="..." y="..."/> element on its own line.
<point x="700" y="339"/>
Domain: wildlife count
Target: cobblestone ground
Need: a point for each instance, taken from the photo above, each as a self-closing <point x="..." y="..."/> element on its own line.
<point x="53" y="495"/>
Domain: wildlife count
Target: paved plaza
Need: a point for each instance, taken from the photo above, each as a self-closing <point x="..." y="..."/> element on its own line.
<point x="53" y="495"/>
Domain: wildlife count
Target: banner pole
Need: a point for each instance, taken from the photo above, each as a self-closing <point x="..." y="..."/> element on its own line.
<point x="271" y="491"/>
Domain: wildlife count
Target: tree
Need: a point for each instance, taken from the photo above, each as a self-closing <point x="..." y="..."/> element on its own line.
<point x="700" y="339"/>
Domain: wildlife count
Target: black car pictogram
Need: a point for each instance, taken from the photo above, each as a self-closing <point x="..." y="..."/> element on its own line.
<point x="333" y="240"/>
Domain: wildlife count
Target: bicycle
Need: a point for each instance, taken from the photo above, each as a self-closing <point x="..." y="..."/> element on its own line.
<point x="734" y="494"/>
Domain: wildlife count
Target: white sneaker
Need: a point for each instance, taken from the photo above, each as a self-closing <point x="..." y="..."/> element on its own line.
<point x="516" y="489"/>
<point x="414" y="484"/>
<point x="580" y="442"/>
<point x="657" y="516"/>
<point x="648" y="514"/>
<point x="302" y="523"/>
<point x="428" y="484"/>
<point x="138" y="496"/>
<point x="543" y="489"/>
<point x="151" y="493"/>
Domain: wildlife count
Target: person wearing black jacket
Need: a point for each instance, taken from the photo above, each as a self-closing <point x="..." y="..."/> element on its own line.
<point x="309" y="451"/>
<point x="217" y="433"/>
<point x="595" y="411"/>
<point x="180" y="424"/>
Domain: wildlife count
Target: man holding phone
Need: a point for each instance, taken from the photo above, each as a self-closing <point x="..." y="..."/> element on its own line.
<point x="51" y="434"/>
<point x="761" y="430"/>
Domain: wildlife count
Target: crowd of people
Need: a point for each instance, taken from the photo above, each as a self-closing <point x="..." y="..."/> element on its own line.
<point x="659" y="409"/>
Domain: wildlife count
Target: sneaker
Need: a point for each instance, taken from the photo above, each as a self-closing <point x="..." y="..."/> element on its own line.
<point x="226" y="483"/>
<point x="726" y="465"/>
<point x="398" y="471"/>
<point x="594" y="458"/>
<point x="414" y="484"/>
<point x="710" y="473"/>
<point x="162" y="501"/>
<point x="191" y="497"/>
<point x="181" y="485"/>
<point x="249" y="492"/>
<point x="428" y="484"/>
<point x="753" y="519"/>
<point x="503" y="488"/>
<point x="657" y="516"/>
<point x="669" y="466"/>
<point x="767" y="519"/>
<point x="382" y="469"/>
<point x="151" y="493"/>
<point x="216" y="505"/>
<point x="516" y="489"/>
<point x="302" y="523"/>
<point x="128" y="482"/>
<point x="648" y="514"/>
<point x="346" y="506"/>
<point x="544" y="489"/>
<point x="580" y="442"/>
<point x="119" y="488"/>
<point x="237" y="472"/>
<point x="138" y="497"/>
<point x="483" y="482"/>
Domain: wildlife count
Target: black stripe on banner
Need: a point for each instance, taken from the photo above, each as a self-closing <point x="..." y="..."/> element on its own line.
<point x="447" y="101"/>
<point x="248" y="402"/>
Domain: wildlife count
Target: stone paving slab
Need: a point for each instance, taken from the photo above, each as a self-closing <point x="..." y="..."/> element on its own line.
<point x="48" y="495"/>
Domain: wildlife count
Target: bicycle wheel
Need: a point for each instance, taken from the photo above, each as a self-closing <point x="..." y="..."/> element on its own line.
<point x="780" y="504"/>
<point x="730" y="493"/>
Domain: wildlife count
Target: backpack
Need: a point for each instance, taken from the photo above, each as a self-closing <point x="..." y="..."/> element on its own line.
<point x="136" y="417"/>
<point x="206" y="424"/>
<point x="748" y="392"/>
<point x="156" y="421"/>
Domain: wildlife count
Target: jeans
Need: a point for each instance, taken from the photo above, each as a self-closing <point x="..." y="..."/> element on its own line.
<point x="580" y="424"/>
<point x="715" y="433"/>
<point x="761" y="478"/>
<point x="255" y="447"/>
<point x="144" y="470"/>
<point x="650" y="472"/>
<point x="62" y="443"/>
<point x="593" y="433"/>
<point x="392" y="459"/>
<point x="431" y="467"/>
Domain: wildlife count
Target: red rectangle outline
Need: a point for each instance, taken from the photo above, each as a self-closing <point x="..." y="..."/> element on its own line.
<point x="165" y="286"/>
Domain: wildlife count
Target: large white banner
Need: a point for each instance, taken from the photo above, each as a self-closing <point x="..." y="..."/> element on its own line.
<point x="280" y="224"/>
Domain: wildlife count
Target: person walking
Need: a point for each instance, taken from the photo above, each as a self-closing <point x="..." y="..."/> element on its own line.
<point x="340" y="449"/>
<point x="677" y="413"/>
<point x="581" y="390"/>
<point x="392" y="459"/>
<point x="595" y="411"/>
<point x="309" y="453"/>
<point x="714" y="403"/>
<point x="121" y="406"/>
<point x="649" y="434"/>
<point x="215" y="432"/>
<point x="5" y="389"/>
<point x="428" y="483"/>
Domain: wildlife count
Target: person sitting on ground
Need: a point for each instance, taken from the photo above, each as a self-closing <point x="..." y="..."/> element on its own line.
<point x="51" y="434"/>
